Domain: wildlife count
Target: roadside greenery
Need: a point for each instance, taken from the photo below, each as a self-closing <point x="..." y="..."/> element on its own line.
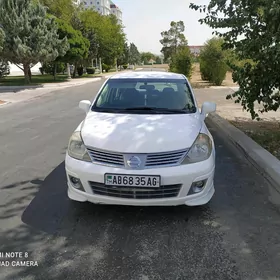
<point x="252" y="31"/>
<point x="172" y="39"/>
<point x="36" y="40"/>
<point x="181" y="62"/>
<point x="175" y="49"/>
<point x="59" y="34"/>
<point x="213" y="61"/>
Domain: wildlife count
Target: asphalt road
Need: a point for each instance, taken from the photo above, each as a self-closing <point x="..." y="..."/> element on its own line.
<point x="237" y="236"/>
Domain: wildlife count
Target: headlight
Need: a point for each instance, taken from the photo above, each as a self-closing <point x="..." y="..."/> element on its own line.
<point x="76" y="147"/>
<point x="200" y="150"/>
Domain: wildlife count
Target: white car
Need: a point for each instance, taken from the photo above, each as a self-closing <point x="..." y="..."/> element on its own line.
<point x="143" y="142"/>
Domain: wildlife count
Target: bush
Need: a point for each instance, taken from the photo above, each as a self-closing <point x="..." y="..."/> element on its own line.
<point x="125" y="66"/>
<point x="181" y="62"/>
<point x="49" y="67"/>
<point x="106" y="67"/>
<point x="80" y="71"/>
<point x="213" y="61"/>
<point x="4" y="68"/>
<point x="90" y="70"/>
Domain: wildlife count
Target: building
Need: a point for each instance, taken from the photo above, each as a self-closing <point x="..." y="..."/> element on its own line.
<point x="104" y="7"/>
<point x="195" y="50"/>
<point x="115" y="10"/>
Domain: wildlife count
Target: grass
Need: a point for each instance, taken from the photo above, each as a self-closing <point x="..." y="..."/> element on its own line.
<point x="36" y="80"/>
<point x="265" y="133"/>
<point x="41" y="79"/>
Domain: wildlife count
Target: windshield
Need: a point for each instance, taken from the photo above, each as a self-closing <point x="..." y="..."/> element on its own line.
<point x="145" y="96"/>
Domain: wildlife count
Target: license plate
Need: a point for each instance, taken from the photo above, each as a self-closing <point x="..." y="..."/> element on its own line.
<point x="132" y="180"/>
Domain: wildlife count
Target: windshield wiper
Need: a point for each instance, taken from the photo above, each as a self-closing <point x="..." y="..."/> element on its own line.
<point x="156" y="109"/>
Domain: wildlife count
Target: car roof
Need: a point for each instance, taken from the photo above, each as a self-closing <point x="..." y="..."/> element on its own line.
<point x="148" y="75"/>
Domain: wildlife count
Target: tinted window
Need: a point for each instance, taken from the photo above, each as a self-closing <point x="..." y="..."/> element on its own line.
<point x="158" y="94"/>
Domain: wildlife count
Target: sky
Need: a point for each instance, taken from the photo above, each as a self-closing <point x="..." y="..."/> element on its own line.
<point x="144" y="20"/>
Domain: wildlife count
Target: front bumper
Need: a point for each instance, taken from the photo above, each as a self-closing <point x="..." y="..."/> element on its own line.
<point x="183" y="174"/>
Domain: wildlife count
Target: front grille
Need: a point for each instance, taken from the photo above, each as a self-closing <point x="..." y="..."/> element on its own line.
<point x="163" y="159"/>
<point x="108" y="158"/>
<point x="135" y="193"/>
<point x="149" y="160"/>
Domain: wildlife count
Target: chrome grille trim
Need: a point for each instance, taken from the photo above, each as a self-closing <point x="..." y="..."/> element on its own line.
<point x="106" y="157"/>
<point x="168" y="191"/>
<point x="166" y="158"/>
<point x="155" y="160"/>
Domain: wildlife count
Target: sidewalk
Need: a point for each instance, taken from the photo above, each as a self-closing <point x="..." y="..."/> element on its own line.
<point x="14" y="94"/>
<point x="21" y="93"/>
<point x="227" y="108"/>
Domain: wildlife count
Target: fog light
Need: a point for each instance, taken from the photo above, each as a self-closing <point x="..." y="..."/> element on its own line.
<point x="197" y="187"/>
<point x="76" y="183"/>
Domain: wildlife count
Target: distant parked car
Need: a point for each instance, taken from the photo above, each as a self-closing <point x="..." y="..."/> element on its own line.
<point x="143" y="142"/>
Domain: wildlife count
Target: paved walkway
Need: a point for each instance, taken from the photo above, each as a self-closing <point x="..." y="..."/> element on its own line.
<point x="227" y="108"/>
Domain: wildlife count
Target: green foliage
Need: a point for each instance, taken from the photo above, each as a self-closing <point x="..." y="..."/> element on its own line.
<point x="213" y="61"/>
<point x="79" y="45"/>
<point x="106" y="67"/>
<point x="181" y="61"/>
<point x="123" y="58"/>
<point x="62" y="9"/>
<point x="134" y="55"/>
<point x="90" y="70"/>
<point x="125" y="66"/>
<point x="146" y="56"/>
<point x="4" y="68"/>
<point x="172" y="39"/>
<point x="158" y="60"/>
<point x="106" y="36"/>
<point x="90" y="24"/>
<point x="53" y="67"/>
<point x="252" y="31"/>
<point x="31" y="36"/>
<point x="2" y="39"/>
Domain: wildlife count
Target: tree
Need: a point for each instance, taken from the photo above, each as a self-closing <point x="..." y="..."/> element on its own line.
<point x="172" y="39"/>
<point x="62" y="9"/>
<point x="31" y="36"/>
<point x="146" y="56"/>
<point x="108" y="37"/>
<point x="2" y="39"/>
<point x="251" y="29"/>
<point x="4" y="68"/>
<point x="181" y="61"/>
<point x="79" y="45"/>
<point x="213" y="61"/>
<point x="89" y="22"/>
<point x="124" y="57"/>
<point x="134" y="55"/>
<point x="113" y="42"/>
<point x="158" y="60"/>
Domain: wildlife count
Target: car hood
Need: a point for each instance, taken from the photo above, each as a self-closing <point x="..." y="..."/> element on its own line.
<point x="139" y="133"/>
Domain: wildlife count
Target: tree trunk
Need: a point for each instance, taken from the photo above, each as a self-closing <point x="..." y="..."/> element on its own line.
<point x="29" y="74"/>
<point x="26" y="70"/>
<point x="54" y="71"/>
<point x="75" y="69"/>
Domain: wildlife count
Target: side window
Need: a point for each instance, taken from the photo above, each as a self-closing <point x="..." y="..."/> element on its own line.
<point x="103" y="97"/>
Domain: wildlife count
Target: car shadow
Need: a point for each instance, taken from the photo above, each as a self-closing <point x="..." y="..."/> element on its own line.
<point x="51" y="206"/>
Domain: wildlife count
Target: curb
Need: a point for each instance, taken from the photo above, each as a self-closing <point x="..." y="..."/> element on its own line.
<point x="267" y="164"/>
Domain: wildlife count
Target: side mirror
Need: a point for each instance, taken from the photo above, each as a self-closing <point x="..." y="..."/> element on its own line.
<point x="207" y="107"/>
<point x="85" y="105"/>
